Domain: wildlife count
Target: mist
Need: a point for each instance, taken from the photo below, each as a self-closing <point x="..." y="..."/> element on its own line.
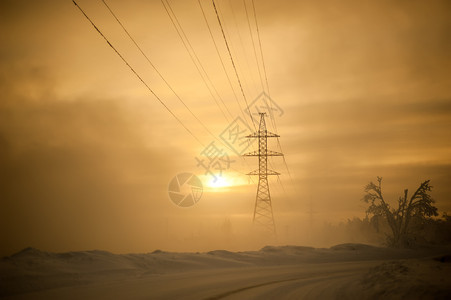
<point x="87" y="154"/>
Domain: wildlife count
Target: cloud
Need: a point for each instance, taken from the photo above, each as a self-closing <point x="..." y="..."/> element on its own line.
<point x="337" y="147"/>
<point x="87" y="152"/>
<point x="74" y="172"/>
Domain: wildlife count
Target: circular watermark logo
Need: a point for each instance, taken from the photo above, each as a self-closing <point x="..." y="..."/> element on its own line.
<point x="185" y="189"/>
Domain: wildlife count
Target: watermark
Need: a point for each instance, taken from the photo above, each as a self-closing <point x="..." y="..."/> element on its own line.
<point x="214" y="161"/>
<point x="185" y="189"/>
<point x="234" y="136"/>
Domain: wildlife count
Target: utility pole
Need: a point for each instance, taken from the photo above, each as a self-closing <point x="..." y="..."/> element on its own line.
<point x="263" y="208"/>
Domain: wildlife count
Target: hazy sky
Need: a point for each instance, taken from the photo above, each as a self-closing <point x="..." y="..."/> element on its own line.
<point x="86" y="152"/>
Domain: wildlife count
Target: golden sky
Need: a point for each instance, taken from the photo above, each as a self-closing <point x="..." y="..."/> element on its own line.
<point x="86" y="152"/>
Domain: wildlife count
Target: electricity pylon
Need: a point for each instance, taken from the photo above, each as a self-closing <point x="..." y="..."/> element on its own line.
<point x="263" y="208"/>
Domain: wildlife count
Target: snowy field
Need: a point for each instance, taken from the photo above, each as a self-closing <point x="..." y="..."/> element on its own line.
<point x="347" y="271"/>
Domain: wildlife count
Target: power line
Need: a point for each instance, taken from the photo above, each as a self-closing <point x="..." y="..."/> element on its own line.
<point x="267" y="87"/>
<point x="194" y="58"/>
<point x="229" y="43"/>
<point x="260" y="75"/>
<point x="156" y="70"/>
<point x="253" y="44"/>
<point x="260" y="44"/>
<point x="137" y="75"/>
<point x="241" y="44"/>
<point x="225" y="71"/>
<point x="222" y="62"/>
<point x="233" y="63"/>
<point x="264" y="65"/>
<point x="161" y="76"/>
<point x="142" y="80"/>
<point x="236" y="56"/>
<point x="255" y="54"/>
<point x="188" y="46"/>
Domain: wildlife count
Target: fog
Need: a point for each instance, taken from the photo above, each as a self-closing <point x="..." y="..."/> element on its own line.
<point x="86" y="153"/>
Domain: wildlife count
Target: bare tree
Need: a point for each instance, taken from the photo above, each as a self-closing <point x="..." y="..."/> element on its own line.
<point x="417" y="207"/>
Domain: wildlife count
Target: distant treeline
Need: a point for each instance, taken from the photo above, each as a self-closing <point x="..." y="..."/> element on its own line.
<point x="376" y="231"/>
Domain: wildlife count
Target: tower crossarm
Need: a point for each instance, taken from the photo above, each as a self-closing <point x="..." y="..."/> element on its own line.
<point x="273" y="153"/>
<point x="259" y="134"/>
<point x="268" y="153"/>
<point x="269" y="172"/>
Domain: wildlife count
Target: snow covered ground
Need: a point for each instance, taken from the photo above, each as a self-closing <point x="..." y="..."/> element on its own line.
<point x="347" y="271"/>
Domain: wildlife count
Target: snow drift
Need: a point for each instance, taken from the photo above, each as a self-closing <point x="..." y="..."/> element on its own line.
<point x="390" y="273"/>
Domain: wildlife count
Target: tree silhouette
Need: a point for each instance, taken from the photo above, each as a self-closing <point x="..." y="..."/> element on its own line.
<point x="410" y="210"/>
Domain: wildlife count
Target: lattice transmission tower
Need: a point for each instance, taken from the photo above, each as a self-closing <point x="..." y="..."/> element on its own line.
<point x="263" y="214"/>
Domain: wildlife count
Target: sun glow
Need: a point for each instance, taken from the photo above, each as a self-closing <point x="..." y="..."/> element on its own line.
<point x="219" y="182"/>
<point x="223" y="182"/>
